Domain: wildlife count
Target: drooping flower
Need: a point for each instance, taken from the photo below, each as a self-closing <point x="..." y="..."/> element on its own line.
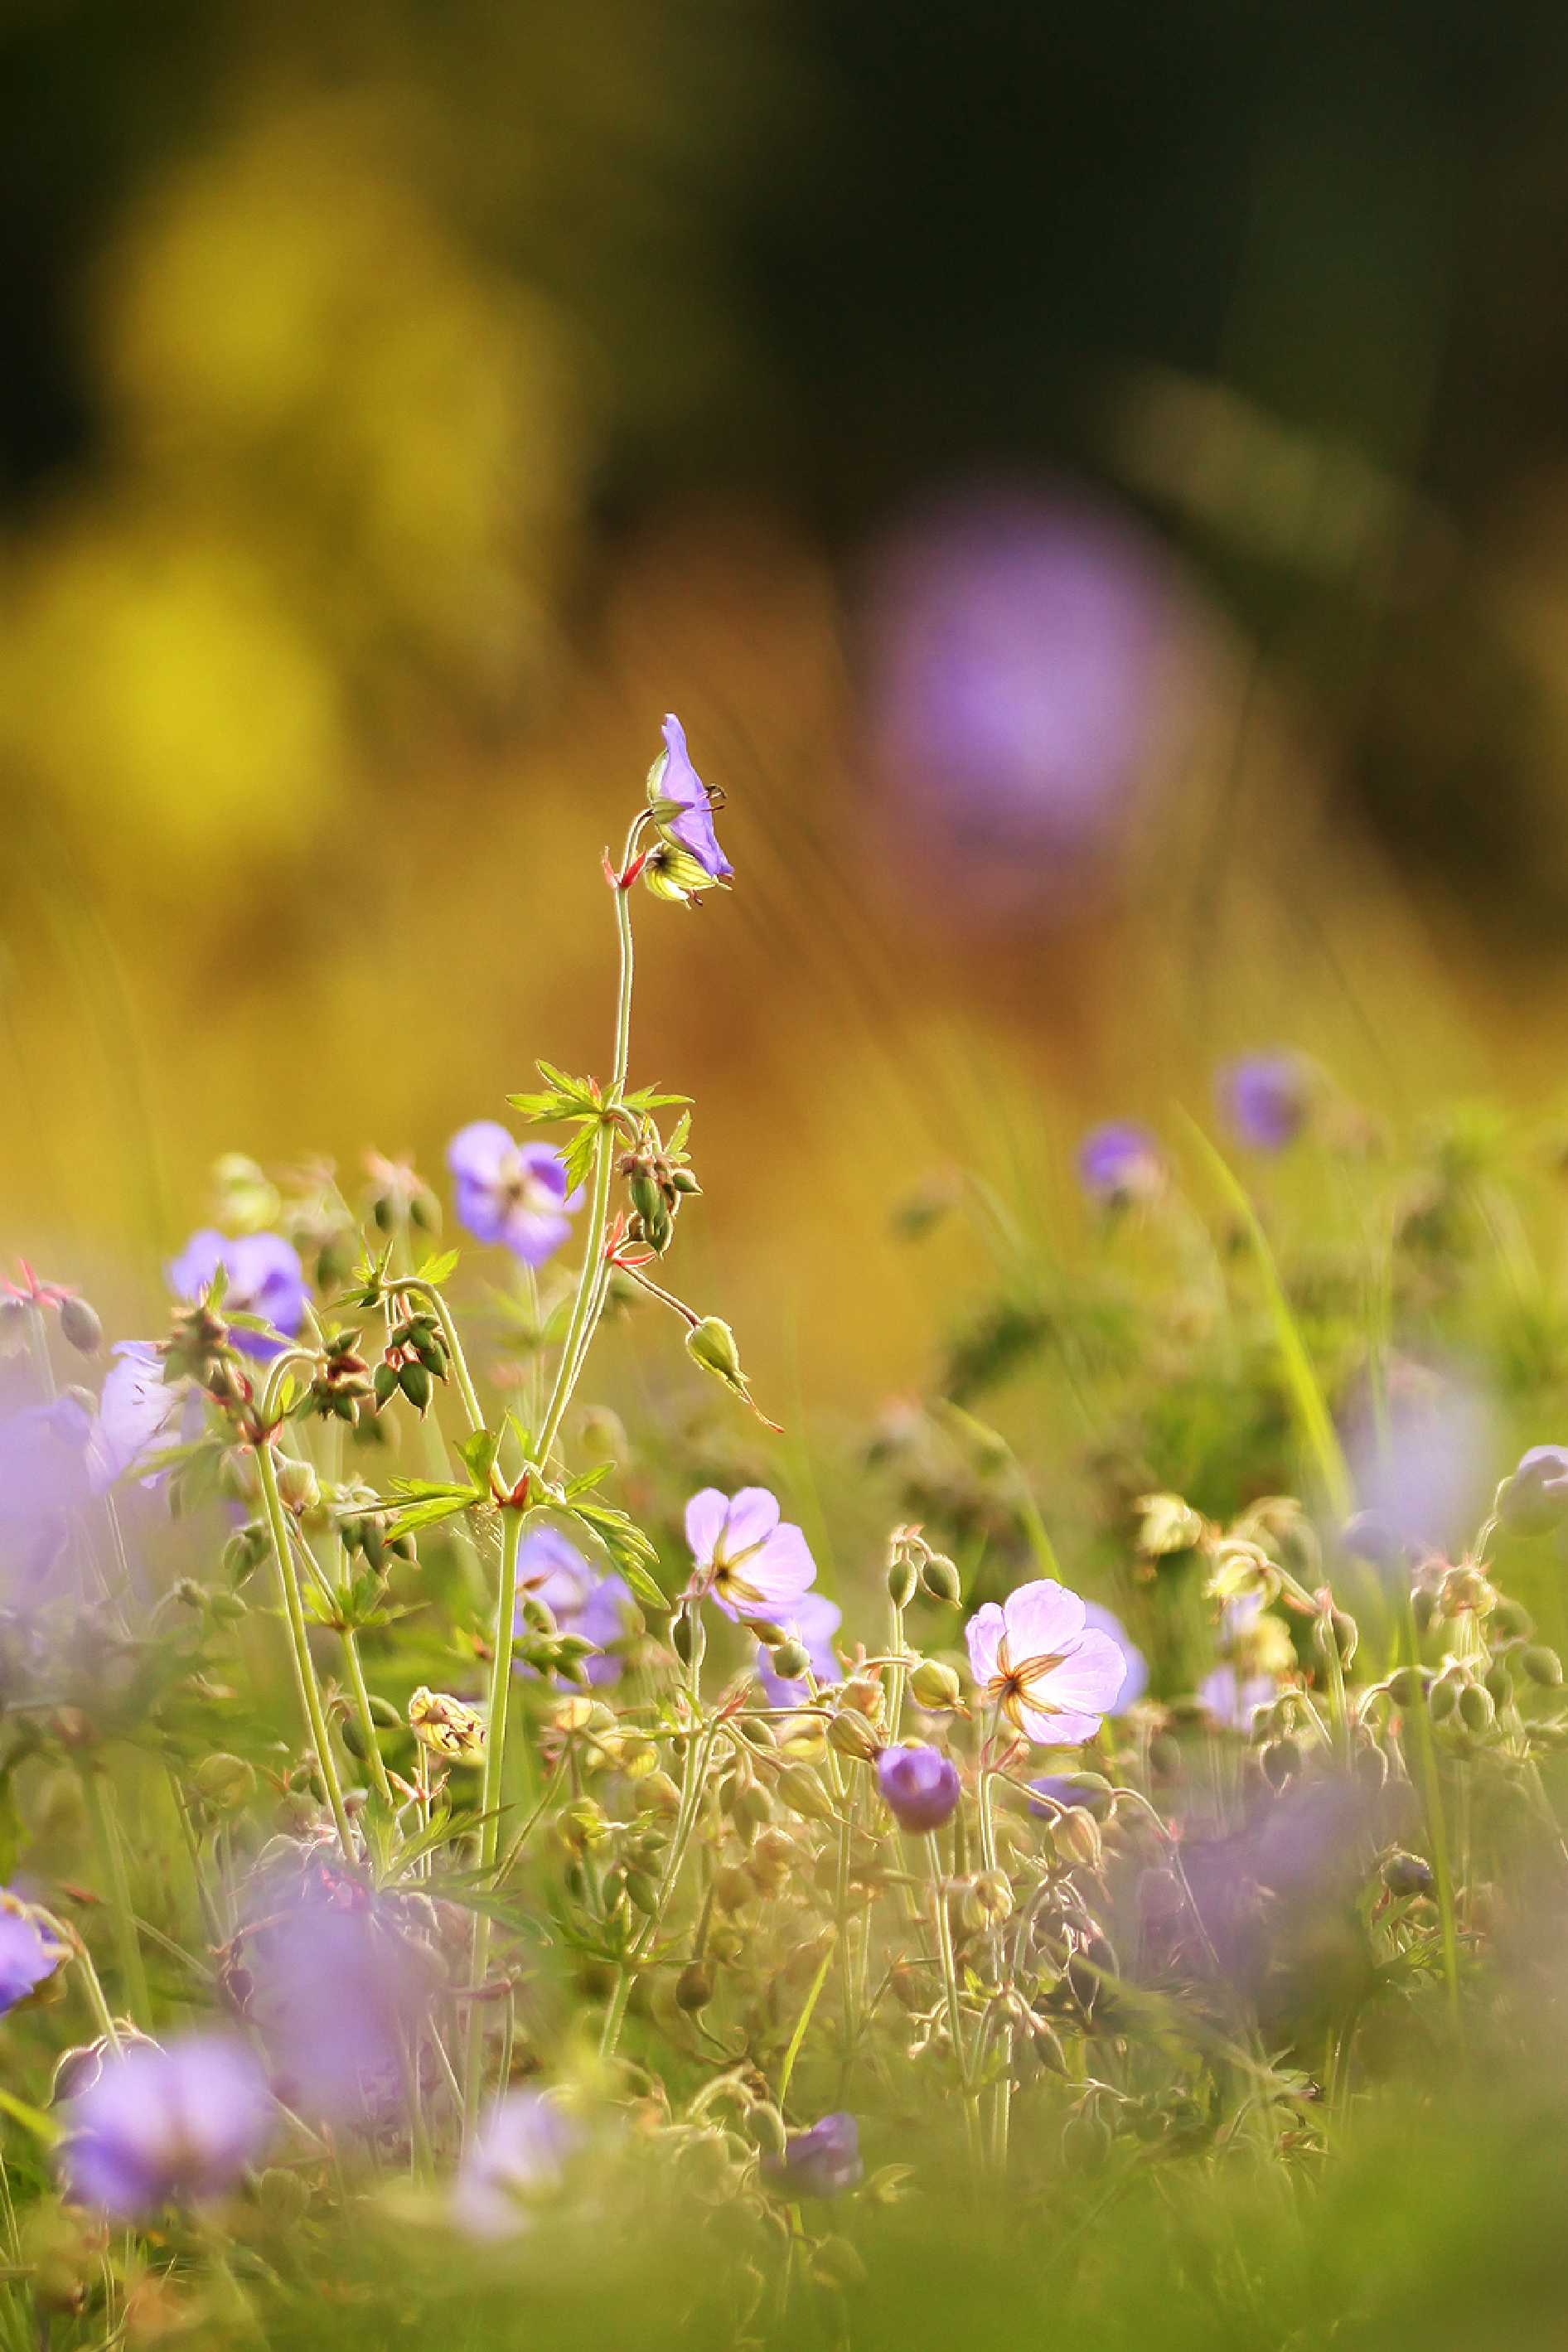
<point x="1533" y="1499"/>
<point x="756" y="1564"/>
<point x="30" y="1952"/>
<point x="265" y="1278"/>
<point x="599" y="1608"/>
<point x="1053" y="1675"/>
<point x="821" y="2162"/>
<point x="814" y="1620"/>
<point x="138" y="1412"/>
<point x="1266" y="1098"/>
<point x="675" y="783"/>
<point x="1121" y="1163"/>
<point x="511" y="1192"/>
<point x="516" y="2158"/>
<point x="163" y="2126"/>
<point x="920" y="1786"/>
<point x="1105" y="1620"/>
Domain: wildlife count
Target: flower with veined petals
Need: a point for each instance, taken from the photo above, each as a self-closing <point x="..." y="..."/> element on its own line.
<point x="752" y="1563"/>
<point x="265" y="1278"/>
<point x="159" y="2126"/>
<point x="596" y="1606"/>
<point x="1106" y="1620"/>
<point x="1053" y="1675"/>
<point x="511" y="1192"/>
<point x="137" y="1410"/>
<point x="673" y="781"/>
<point x="814" y="1620"/>
<point x="516" y="2158"/>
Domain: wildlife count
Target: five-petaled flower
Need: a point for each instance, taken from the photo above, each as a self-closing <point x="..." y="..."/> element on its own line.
<point x="752" y="1563"/>
<point x="597" y="1608"/>
<point x="1037" y="1659"/>
<point x="158" y="2126"/>
<point x="137" y="1412"/>
<point x="265" y="1278"/>
<point x="1119" y="1163"/>
<point x="813" y="1620"/>
<point x="674" y="786"/>
<point x="511" y="1192"/>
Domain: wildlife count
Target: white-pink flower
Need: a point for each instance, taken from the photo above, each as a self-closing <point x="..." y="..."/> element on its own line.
<point x="754" y="1564"/>
<point x="1054" y="1676"/>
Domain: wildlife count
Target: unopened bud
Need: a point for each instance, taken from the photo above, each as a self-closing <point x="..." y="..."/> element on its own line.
<point x="79" y="1326"/>
<point x="1405" y="1874"/>
<point x="987" y="1900"/>
<point x="791" y="1661"/>
<point x="1281" y="1760"/>
<point x="1543" y="1665"/>
<point x="935" y="1685"/>
<point x="694" y="1986"/>
<point x="1407" y="1686"/>
<point x="226" y="1782"/>
<point x="804" y="1793"/>
<point x="1443" y="1698"/>
<point x="942" y="1580"/>
<point x="1476" y="1712"/>
<point x="903" y="1579"/>
<point x="851" y="1733"/>
<point x="297" y="1484"/>
<point x="689" y="1637"/>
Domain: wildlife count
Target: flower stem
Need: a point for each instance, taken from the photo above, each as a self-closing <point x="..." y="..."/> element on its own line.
<point x="367" y="1721"/>
<point x="112" y="1862"/>
<point x="310" y="1694"/>
<point x="513" y="1522"/>
<point x="950" y="1986"/>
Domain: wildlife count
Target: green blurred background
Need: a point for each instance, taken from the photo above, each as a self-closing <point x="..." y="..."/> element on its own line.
<point x="1094" y="484"/>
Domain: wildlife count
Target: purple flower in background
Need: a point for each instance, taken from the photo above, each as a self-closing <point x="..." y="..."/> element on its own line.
<point x="29" y="1952"/>
<point x="673" y="778"/>
<point x="596" y="1607"/>
<point x="511" y="1192"/>
<point x="920" y="1786"/>
<point x="265" y="1278"/>
<point x="158" y="2126"/>
<point x="814" y="1620"/>
<point x="1266" y="1098"/>
<point x="1232" y="1698"/>
<point x="1424" y="1467"/>
<point x="755" y="1565"/>
<point x="43" y="1478"/>
<point x="1534" y="1498"/>
<point x="137" y="1414"/>
<point x="340" y="1994"/>
<point x="1136" y="1681"/>
<point x="1037" y="1657"/>
<point x="1120" y="1162"/>
<point x="1018" y="638"/>
<point x="518" y="2155"/>
<point x="821" y="2162"/>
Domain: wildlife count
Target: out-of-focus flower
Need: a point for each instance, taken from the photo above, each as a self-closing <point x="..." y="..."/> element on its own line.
<point x="596" y="1608"/>
<point x="1119" y="1163"/>
<point x="1168" y="1523"/>
<point x="160" y="2126"/>
<point x="920" y="1786"/>
<point x="1136" y="1681"/>
<point x="511" y="1192"/>
<point x="138" y="1411"/>
<point x="1017" y="639"/>
<point x="265" y="1278"/>
<point x="1233" y="1698"/>
<point x="1266" y="1098"/>
<point x="339" y="1989"/>
<point x="754" y="1564"/>
<point x="446" y="1726"/>
<point x="821" y="2162"/>
<point x="814" y="1620"/>
<point x="30" y="1952"/>
<point x="1424" y="1466"/>
<point x="1053" y="1675"/>
<point x="674" y="782"/>
<point x="43" y="1478"/>
<point x="516" y="2158"/>
<point x="1534" y="1498"/>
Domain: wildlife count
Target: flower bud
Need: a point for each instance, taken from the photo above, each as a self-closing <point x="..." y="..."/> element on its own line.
<point x="987" y="1900"/>
<point x="694" y="1987"/>
<point x="297" y="1484"/>
<point x="935" y="1685"/>
<point x="1406" y="1874"/>
<point x="688" y="1636"/>
<point x="766" y="2127"/>
<point x="1543" y="1665"/>
<point x="903" y="1579"/>
<point x="1534" y="1498"/>
<point x="414" y="1380"/>
<point x="79" y="1326"/>
<point x="851" y="1733"/>
<point x="1465" y="1588"/>
<point x="1476" y="1712"/>
<point x="1498" y="1683"/>
<point x="792" y="1659"/>
<point x="1075" y="1840"/>
<point x="1407" y="1686"/>
<point x="657" y="1793"/>
<point x="1281" y="1760"/>
<point x="226" y="1782"/>
<point x="1335" y="1628"/>
<point x="942" y="1580"/>
<point x="865" y="1693"/>
<point x="1443" y="1698"/>
<point x="1423" y="1608"/>
<point x="804" y="1793"/>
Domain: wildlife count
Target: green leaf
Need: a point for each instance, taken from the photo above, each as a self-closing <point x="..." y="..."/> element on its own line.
<point x="439" y="1268"/>
<point x="479" y="1452"/>
<point x="631" y="1551"/>
<point x="586" y="1480"/>
<point x="421" y="1502"/>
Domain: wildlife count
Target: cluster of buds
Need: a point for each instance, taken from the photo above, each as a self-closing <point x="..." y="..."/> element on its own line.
<point x="341" y="1386"/>
<point x="367" y="1530"/>
<point x="544" y="1647"/>
<point x="399" y="1197"/>
<point x="197" y="1348"/>
<point x="657" y="1184"/>
<point x="416" y="1358"/>
<point x="913" y="1565"/>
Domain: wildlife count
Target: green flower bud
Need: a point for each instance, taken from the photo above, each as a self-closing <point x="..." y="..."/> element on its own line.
<point x="383" y="1382"/>
<point x="1543" y="1665"/>
<point x="1407" y="1686"/>
<point x="79" y="1326"/>
<point x="1476" y="1712"/>
<point x="712" y="1344"/>
<point x="851" y="1733"/>
<point x="903" y="1579"/>
<point x="804" y="1793"/>
<point x="1443" y="1698"/>
<point x="415" y="1382"/>
<point x="297" y="1484"/>
<point x="226" y="1782"/>
<point x="792" y="1661"/>
<point x="935" y="1685"/>
<point x="987" y="1900"/>
<point x="766" y="2127"/>
<point x="689" y="1637"/>
<point x="942" y="1579"/>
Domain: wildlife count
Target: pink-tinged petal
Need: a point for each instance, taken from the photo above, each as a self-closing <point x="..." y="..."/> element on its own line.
<point x="705" y="1515"/>
<point x="1088" y="1681"/>
<point x="753" y="1516"/>
<point x="1053" y="1731"/>
<point x="543" y="1163"/>
<point x="193" y="1270"/>
<point x="782" y="1571"/>
<point x="481" y="1151"/>
<point x="533" y="1236"/>
<point x="984" y="1635"/>
<point x="1043" y="1619"/>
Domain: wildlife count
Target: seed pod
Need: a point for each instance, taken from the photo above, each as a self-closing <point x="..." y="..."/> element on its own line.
<point x="79" y="1326"/>
<point x="903" y="1579"/>
<point x="384" y="1381"/>
<point x="689" y="1637"/>
<point x="1510" y="1622"/>
<point x="1443" y="1698"/>
<point x="1498" y="1684"/>
<point x="1476" y="1712"/>
<point x="942" y="1579"/>
<point x="642" y="1893"/>
<point x="852" y="1734"/>
<point x="935" y="1685"/>
<point x="1407" y="1686"/>
<point x="804" y="1793"/>
<point x="694" y="1987"/>
<point x="791" y="1661"/>
<point x="1543" y="1665"/>
<point x="415" y="1382"/>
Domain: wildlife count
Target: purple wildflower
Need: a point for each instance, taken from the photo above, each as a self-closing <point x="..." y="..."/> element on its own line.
<point x="1119" y="1163"/>
<point x="137" y="1412"/>
<point x="1106" y="1620"/>
<point x="672" y="778"/>
<point x="29" y="1952"/>
<point x="340" y="1994"/>
<point x="265" y="1278"/>
<point x="814" y="1620"/>
<point x="754" y="1564"/>
<point x="920" y="1786"/>
<point x="1037" y="1657"/>
<point x="43" y="1478"/>
<point x="516" y="2157"/>
<point x="1266" y="1098"/>
<point x="1423" y="1466"/>
<point x="159" y="2126"/>
<point x="821" y="2162"/>
<point x="596" y="1606"/>
<point x="1534" y="1499"/>
<point x="1233" y="1698"/>
<point x="511" y="1192"/>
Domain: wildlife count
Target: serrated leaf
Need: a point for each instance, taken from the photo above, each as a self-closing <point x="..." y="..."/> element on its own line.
<point x="479" y="1452"/>
<point x="651" y="1099"/>
<point x="627" y="1546"/>
<point x="586" y="1480"/>
<point x="675" y="1148"/>
<point x="439" y="1268"/>
<point x="422" y="1501"/>
<point x="577" y="1157"/>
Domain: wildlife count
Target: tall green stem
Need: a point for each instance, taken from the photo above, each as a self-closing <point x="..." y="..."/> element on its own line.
<point x="494" y="1794"/>
<point x="112" y="1862"/>
<point x="305" y="1683"/>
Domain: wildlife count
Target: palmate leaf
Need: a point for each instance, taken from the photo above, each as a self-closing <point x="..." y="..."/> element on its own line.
<point x="631" y="1551"/>
<point x="421" y="1502"/>
<point x="439" y="1268"/>
<point x="650" y="1098"/>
